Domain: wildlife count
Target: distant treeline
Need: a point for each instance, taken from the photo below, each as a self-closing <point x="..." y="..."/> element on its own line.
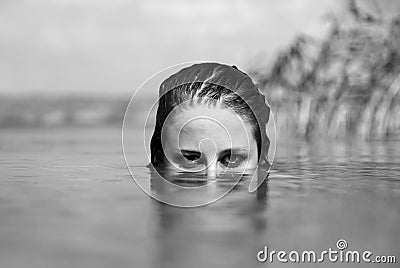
<point x="60" y="111"/>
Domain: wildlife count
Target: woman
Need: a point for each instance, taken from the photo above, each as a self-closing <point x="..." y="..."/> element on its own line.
<point x="211" y="120"/>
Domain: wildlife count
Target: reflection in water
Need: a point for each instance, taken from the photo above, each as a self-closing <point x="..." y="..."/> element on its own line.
<point x="193" y="237"/>
<point x="189" y="189"/>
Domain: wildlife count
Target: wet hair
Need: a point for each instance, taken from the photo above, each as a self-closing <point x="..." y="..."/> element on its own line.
<point x="213" y="84"/>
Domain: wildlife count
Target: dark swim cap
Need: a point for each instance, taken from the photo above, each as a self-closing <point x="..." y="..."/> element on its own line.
<point x="229" y="77"/>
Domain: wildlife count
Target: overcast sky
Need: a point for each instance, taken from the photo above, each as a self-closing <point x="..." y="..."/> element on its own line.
<point x="110" y="47"/>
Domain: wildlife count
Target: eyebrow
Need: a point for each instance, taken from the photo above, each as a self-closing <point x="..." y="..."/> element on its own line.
<point x="237" y="150"/>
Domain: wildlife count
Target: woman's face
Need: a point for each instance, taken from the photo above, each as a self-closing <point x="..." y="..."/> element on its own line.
<point x="211" y="140"/>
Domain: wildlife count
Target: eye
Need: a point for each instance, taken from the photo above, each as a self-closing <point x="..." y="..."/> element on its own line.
<point x="191" y="156"/>
<point x="232" y="160"/>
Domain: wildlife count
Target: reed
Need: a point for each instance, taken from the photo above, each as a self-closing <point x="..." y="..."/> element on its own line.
<point x="345" y="85"/>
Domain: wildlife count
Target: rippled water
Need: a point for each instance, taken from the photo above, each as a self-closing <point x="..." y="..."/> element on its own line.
<point x="68" y="200"/>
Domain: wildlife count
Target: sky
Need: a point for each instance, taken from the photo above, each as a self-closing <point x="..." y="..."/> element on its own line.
<point x="105" y="47"/>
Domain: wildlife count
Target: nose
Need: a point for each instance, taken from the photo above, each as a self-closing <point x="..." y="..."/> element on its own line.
<point x="208" y="149"/>
<point x="212" y="170"/>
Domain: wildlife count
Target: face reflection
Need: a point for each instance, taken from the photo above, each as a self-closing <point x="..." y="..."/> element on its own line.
<point x="210" y="140"/>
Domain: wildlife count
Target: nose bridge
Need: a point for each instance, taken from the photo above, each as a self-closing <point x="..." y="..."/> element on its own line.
<point x="212" y="167"/>
<point x="209" y="150"/>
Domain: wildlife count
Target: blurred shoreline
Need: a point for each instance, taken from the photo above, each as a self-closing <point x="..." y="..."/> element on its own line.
<point x="47" y="112"/>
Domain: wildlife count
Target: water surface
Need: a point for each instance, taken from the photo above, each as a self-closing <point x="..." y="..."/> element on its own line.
<point x="68" y="200"/>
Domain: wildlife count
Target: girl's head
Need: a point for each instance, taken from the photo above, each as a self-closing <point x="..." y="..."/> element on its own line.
<point x="211" y="118"/>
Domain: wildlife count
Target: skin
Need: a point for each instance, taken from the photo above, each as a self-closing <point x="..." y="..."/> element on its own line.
<point x="210" y="140"/>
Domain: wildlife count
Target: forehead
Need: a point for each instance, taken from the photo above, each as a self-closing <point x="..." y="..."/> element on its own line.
<point x="191" y="123"/>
